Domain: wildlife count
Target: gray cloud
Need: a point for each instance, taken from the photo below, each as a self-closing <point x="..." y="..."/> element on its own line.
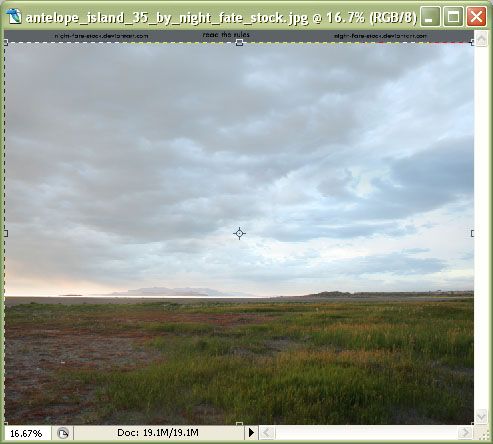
<point x="423" y="181"/>
<point x="145" y="158"/>
<point x="398" y="263"/>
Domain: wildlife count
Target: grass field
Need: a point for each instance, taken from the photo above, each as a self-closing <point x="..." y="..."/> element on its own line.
<point x="217" y="363"/>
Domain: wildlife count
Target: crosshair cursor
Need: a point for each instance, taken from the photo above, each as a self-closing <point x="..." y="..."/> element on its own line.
<point x="239" y="233"/>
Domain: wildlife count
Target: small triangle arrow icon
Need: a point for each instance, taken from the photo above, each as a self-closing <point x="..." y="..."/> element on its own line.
<point x="250" y="432"/>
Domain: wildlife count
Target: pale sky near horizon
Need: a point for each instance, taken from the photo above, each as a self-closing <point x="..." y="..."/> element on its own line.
<point x="350" y="167"/>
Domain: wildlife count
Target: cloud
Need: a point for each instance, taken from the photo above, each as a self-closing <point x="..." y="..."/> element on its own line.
<point x="424" y="181"/>
<point x="132" y="165"/>
<point x="398" y="263"/>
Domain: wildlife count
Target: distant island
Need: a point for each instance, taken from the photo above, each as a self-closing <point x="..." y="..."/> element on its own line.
<point x="185" y="291"/>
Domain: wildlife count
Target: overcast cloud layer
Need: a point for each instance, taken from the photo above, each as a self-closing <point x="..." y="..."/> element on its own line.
<point x="349" y="167"/>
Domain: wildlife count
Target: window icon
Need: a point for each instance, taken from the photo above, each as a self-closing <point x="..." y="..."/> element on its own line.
<point x="15" y="16"/>
<point x="476" y="16"/>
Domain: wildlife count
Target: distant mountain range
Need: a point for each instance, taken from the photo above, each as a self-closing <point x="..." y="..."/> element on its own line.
<point x="209" y="292"/>
<point x="186" y="291"/>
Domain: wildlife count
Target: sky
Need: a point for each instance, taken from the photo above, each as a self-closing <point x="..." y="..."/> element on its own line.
<point x="349" y="167"/>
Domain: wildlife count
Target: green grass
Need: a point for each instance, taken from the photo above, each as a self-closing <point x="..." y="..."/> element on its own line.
<point x="286" y="363"/>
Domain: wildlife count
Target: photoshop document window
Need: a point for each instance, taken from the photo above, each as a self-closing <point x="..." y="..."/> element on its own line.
<point x="244" y="221"/>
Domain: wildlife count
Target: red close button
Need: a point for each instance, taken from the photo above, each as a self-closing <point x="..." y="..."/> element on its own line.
<point x="476" y="15"/>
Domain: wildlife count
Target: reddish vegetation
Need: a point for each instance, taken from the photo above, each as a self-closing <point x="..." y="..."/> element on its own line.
<point x="38" y="350"/>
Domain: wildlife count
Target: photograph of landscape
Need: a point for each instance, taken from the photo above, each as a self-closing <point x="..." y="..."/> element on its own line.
<point x="206" y="234"/>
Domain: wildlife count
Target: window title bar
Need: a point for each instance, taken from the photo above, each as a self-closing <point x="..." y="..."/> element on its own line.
<point x="322" y="15"/>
